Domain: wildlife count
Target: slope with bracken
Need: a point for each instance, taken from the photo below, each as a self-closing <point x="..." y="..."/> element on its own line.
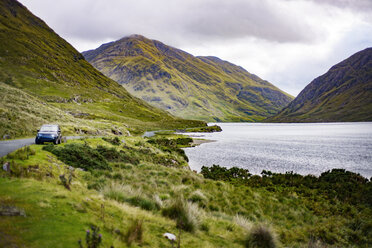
<point x="48" y="70"/>
<point x="205" y="88"/>
<point x="344" y="93"/>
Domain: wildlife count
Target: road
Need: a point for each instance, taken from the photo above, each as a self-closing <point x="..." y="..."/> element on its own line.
<point x="7" y="146"/>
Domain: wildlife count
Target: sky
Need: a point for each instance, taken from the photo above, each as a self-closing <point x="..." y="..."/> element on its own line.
<point x="287" y="42"/>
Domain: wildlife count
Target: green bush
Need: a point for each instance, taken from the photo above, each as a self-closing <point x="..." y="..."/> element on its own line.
<point x="217" y="172"/>
<point x="79" y="156"/>
<point x="113" y="155"/>
<point x="208" y="129"/>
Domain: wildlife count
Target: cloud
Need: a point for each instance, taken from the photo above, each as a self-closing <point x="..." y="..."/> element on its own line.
<point x="200" y="19"/>
<point x="360" y="5"/>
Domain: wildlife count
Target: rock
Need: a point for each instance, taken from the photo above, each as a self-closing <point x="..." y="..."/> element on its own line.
<point x="6" y="167"/>
<point x="11" y="211"/>
<point x="170" y="236"/>
<point x="116" y="132"/>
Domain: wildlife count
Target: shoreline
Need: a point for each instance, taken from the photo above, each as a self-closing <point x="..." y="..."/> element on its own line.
<point x="198" y="142"/>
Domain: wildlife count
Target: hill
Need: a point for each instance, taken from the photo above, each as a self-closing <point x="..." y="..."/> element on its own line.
<point x="344" y="93"/>
<point x="205" y="88"/>
<point x="41" y="65"/>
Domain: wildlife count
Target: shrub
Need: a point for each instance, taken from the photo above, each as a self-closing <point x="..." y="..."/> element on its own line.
<point x="260" y="237"/>
<point x="135" y="232"/>
<point x="111" y="154"/>
<point x="184" y="141"/>
<point x="208" y="129"/>
<point x="217" y="172"/>
<point x="79" y="156"/>
<point x="186" y="214"/>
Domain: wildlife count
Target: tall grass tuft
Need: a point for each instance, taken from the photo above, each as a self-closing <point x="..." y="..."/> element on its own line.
<point x="198" y="197"/>
<point x="242" y="222"/>
<point x="125" y="193"/>
<point x="260" y="237"/>
<point x="186" y="214"/>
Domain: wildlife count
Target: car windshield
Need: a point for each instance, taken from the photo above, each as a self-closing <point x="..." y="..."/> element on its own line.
<point x="49" y="129"/>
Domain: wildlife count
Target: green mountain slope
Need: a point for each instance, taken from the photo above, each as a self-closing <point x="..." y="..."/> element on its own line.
<point x="344" y="93"/>
<point x="34" y="59"/>
<point x="205" y="88"/>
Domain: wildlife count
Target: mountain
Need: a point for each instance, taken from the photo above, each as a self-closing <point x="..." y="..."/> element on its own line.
<point x="38" y="64"/>
<point x="344" y="93"/>
<point x="204" y="88"/>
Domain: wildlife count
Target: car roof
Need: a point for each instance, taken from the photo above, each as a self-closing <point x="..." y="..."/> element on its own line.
<point x="50" y="125"/>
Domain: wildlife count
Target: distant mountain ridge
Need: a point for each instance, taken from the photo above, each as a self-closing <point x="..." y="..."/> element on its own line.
<point x="344" y="93"/>
<point x="204" y="88"/>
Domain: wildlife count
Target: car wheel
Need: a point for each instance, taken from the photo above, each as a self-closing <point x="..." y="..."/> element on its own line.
<point x="55" y="141"/>
<point x="37" y="141"/>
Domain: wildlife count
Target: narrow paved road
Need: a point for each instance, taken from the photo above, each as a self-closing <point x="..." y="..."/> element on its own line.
<point x="7" y="146"/>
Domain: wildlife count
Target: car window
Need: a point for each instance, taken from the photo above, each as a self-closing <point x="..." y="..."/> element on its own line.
<point x="48" y="129"/>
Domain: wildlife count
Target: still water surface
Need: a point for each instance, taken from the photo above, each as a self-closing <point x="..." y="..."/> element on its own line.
<point x="302" y="148"/>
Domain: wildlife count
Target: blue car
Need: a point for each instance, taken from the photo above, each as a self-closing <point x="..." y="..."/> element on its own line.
<point x="49" y="133"/>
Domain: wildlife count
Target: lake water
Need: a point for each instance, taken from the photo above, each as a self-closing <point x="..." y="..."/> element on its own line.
<point x="310" y="148"/>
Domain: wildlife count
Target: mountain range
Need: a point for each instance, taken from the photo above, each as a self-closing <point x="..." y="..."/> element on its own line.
<point x="43" y="79"/>
<point x="204" y="88"/>
<point x="344" y="93"/>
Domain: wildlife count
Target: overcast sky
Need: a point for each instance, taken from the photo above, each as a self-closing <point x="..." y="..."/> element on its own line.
<point x="287" y="42"/>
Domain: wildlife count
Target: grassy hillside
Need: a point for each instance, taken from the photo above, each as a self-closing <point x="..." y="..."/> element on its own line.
<point x="34" y="59"/>
<point x="131" y="191"/>
<point x="205" y="88"/>
<point x="344" y="93"/>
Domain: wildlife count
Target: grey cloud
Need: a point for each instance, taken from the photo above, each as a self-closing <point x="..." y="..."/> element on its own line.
<point x="359" y="5"/>
<point x="174" y="20"/>
<point x="247" y="18"/>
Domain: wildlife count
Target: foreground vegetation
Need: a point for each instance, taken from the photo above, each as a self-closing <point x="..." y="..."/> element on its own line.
<point x="135" y="190"/>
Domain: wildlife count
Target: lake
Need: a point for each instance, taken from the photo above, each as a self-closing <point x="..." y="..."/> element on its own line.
<point x="304" y="148"/>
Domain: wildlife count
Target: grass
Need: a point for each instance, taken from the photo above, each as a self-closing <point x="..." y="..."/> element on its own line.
<point x="214" y="213"/>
